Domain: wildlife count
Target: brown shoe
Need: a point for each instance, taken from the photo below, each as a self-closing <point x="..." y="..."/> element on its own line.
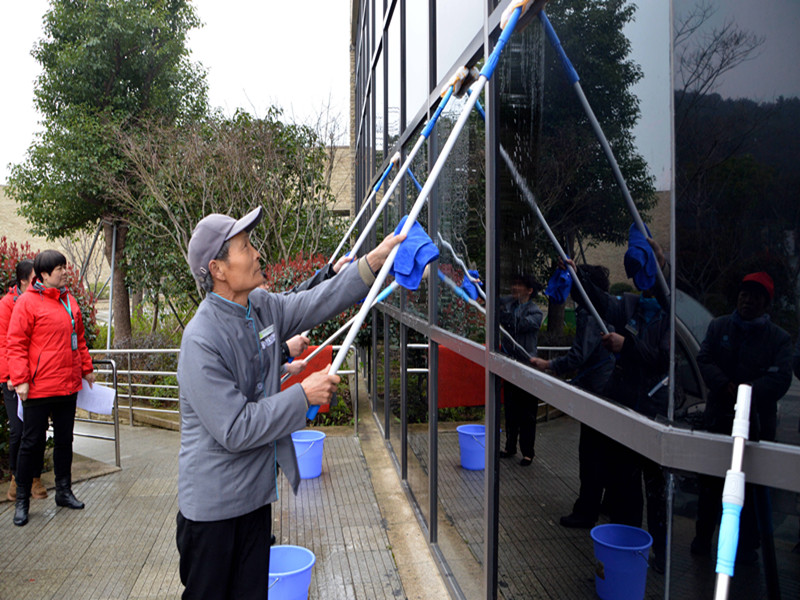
<point x="12" y="490"/>
<point x="38" y="491"/>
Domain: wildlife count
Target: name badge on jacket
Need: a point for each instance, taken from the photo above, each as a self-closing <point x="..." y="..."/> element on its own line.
<point x="267" y="336"/>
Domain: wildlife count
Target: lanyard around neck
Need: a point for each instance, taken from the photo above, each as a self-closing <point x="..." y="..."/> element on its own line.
<point x="68" y="308"/>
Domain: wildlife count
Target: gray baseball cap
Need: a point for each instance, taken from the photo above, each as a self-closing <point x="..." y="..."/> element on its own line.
<point x="211" y="233"/>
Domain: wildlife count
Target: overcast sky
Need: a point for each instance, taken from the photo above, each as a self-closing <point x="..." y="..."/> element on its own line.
<point x="257" y="54"/>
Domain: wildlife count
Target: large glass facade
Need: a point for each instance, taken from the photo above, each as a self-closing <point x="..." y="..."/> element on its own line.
<point x="608" y="400"/>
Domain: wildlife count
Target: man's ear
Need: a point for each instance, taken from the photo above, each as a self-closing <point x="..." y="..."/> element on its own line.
<point x="216" y="269"/>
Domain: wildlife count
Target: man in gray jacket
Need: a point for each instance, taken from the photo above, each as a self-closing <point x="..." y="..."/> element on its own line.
<point x="235" y="421"/>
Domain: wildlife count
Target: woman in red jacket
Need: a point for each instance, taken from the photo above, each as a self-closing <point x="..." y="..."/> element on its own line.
<point x="47" y="355"/>
<point x="24" y="272"/>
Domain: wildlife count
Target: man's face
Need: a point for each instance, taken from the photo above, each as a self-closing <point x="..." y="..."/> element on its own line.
<point x="242" y="270"/>
<point x="520" y="291"/>
<point x="752" y="302"/>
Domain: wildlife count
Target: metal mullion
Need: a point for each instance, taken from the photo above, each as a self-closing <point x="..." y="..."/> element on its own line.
<point x="385" y="54"/>
<point x="491" y="482"/>
<point x="433" y="356"/>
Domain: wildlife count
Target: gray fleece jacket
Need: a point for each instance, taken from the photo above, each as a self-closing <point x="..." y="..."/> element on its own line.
<point x="235" y="421"/>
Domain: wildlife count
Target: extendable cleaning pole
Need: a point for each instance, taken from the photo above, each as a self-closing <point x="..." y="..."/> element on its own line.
<point x="460" y="292"/>
<point x="381" y="297"/>
<point x="465" y="297"/>
<point x="346" y="236"/>
<point x="485" y="75"/>
<point x="572" y="75"/>
<point x="453" y="87"/>
<point x="733" y="496"/>
<point x="531" y="200"/>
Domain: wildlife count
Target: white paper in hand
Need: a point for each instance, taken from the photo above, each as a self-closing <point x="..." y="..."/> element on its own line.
<point x="98" y="399"/>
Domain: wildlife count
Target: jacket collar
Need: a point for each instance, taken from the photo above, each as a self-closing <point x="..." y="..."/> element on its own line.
<point x="226" y="306"/>
<point x="48" y="292"/>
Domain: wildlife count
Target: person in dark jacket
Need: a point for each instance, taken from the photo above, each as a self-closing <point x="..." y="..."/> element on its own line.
<point x="47" y="358"/>
<point x="24" y="274"/>
<point x="639" y="338"/>
<point x="743" y="347"/>
<point x="594" y="365"/>
<point x="235" y="420"/>
<point x="521" y="318"/>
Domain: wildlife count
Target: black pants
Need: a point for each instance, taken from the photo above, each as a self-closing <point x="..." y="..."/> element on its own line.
<point x="61" y="409"/>
<point x="593" y="463"/>
<point x="521" y="410"/>
<point x="626" y="471"/>
<point x="225" y="560"/>
<point x="14" y="427"/>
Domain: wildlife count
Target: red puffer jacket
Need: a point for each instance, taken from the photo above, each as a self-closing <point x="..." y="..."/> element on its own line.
<point x="39" y="343"/>
<point x="6" y="306"/>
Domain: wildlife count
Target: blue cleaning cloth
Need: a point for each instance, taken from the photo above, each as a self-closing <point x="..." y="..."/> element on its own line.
<point x="640" y="260"/>
<point x="559" y="286"/>
<point x="413" y="255"/>
<point x="469" y="287"/>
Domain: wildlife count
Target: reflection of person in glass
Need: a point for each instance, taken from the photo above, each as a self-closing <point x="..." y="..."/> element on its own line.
<point x="522" y="318"/>
<point x="743" y="347"/>
<point x="594" y="365"/>
<point x="640" y="339"/>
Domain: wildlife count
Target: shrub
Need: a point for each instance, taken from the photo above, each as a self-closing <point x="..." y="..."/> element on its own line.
<point x="286" y="274"/>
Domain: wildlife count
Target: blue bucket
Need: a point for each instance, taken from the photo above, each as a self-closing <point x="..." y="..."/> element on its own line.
<point x="290" y="572"/>
<point x="471" y="443"/>
<point x="308" y="445"/>
<point x="621" y="570"/>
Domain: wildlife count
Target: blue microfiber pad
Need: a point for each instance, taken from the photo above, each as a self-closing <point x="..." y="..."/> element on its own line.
<point x="413" y="255"/>
<point x="640" y="260"/>
<point x="469" y="287"/>
<point x="559" y="286"/>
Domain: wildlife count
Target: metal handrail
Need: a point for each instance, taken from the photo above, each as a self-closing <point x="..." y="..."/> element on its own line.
<point x="115" y="412"/>
<point x="133" y="386"/>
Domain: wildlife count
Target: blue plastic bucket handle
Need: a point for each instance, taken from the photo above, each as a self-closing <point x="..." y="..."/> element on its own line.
<point x="297" y="579"/>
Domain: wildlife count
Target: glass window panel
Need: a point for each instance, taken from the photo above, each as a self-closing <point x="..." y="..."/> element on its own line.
<point x="393" y="56"/>
<point x="417" y="403"/>
<point x="380" y="99"/>
<point x="737" y="97"/>
<point x="457" y="22"/>
<point x="417" y="45"/>
<point x="461" y="192"/>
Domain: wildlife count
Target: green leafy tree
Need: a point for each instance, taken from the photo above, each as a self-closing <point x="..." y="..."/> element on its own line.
<point x="175" y="175"/>
<point x="552" y="141"/>
<point x="106" y="65"/>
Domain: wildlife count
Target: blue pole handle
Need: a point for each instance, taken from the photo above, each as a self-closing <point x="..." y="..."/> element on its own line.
<point x="456" y="290"/>
<point x="494" y="57"/>
<point x="479" y="108"/>
<point x="429" y="127"/>
<point x="728" y="538"/>
<point x="383" y="177"/>
<point x="572" y="74"/>
<point x="414" y="179"/>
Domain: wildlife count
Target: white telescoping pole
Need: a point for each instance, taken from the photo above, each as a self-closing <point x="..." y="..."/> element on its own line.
<point x="733" y="496"/>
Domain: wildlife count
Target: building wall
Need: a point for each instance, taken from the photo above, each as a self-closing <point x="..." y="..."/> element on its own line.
<point x="342" y="179"/>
